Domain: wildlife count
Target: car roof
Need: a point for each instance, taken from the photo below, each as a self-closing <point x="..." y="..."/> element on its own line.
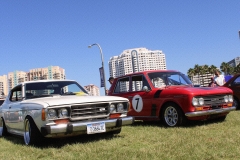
<point x="42" y="81"/>
<point x="149" y="71"/>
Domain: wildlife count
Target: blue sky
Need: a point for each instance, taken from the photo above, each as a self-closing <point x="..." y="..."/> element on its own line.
<point x="38" y="34"/>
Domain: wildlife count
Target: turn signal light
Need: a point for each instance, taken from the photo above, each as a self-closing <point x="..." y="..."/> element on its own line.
<point x="198" y="108"/>
<point x="229" y="104"/>
<point x="43" y="114"/>
<point x="116" y="115"/>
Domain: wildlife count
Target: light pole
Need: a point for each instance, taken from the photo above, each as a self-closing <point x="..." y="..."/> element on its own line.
<point x="104" y="79"/>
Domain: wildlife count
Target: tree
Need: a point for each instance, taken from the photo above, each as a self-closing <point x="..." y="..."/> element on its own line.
<point x="197" y="69"/>
<point x="237" y="69"/>
<point x="225" y="68"/>
<point x="191" y="73"/>
<point x="212" y="69"/>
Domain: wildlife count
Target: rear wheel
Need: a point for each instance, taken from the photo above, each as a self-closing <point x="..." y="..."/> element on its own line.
<point x="31" y="133"/>
<point x="172" y="115"/>
<point x="3" y="128"/>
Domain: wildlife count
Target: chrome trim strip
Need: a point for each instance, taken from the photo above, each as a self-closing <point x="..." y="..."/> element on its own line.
<point x="210" y="112"/>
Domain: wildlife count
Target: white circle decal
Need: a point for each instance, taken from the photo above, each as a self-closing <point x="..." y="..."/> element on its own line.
<point x="137" y="103"/>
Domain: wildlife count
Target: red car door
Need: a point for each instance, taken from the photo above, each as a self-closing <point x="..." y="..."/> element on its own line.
<point x="131" y="87"/>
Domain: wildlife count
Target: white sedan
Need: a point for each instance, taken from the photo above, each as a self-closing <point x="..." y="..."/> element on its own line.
<point x="60" y="108"/>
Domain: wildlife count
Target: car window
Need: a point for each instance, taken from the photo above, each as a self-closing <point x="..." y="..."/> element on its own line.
<point x="44" y="89"/>
<point x="138" y="82"/>
<point x="236" y="81"/>
<point x="161" y="79"/>
<point x="122" y="85"/>
<point x="16" y="94"/>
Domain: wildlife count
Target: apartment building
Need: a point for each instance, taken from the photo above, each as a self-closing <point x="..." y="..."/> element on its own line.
<point x="136" y="60"/>
<point x="51" y="72"/>
<point x="16" y="77"/>
<point x="92" y="90"/>
<point x="3" y="86"/>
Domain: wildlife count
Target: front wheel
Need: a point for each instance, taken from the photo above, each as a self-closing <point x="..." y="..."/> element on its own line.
<point x="31" y="133"/>
<point x="236" y="103"/>
<point x="172" y="115"/>
<point x="3" y="128"/>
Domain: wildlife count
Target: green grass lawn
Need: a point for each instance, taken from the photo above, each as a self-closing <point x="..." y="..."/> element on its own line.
<point x="144" y="140"/>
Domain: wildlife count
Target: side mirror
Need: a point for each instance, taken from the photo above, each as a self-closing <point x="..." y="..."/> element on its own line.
<point x="145" y="88"/>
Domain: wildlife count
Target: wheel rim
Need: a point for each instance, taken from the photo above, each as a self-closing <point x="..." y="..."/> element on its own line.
<point x="27" y="132"/>
<point x="171" y="116"/>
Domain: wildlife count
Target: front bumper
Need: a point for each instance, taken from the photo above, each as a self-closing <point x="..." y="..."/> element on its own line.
<point x="79" y="128"/>
<point x="210" y="112"/>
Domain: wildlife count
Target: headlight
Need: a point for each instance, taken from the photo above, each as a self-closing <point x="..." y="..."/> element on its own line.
<point x="112" y="108"/>
<point x="201" y="101"/>
<point x="62" y="113"/>
<point x="195" y="101"/>
<point x="226" y="98"/>
<point x="120" y="107"/>
<point x="52" y="114"/>
<point x="230" y="98"/>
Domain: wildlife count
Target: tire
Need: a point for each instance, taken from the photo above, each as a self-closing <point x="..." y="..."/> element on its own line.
<point x="172" y="115"/>
<point x="31" y="132"/>
<point x="3" y="128"/>
<point x="222" y="118"/>
<point x="236" y="103"/>
<point x="114" y="132"/>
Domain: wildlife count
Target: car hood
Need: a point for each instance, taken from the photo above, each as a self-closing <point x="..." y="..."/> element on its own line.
<point x="73" y="99"/>
<point x="202" y="90"/>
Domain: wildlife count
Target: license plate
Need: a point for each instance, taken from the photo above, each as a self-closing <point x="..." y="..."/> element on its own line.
<point x="96" y="128"/>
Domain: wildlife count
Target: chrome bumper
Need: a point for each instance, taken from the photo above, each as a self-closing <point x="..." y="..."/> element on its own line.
<point x="78" y="128"/>
<point x="210" y="112"/>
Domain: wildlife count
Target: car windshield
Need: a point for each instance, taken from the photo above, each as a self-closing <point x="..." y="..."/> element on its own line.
<point x="162" y="79"/>
<point x="45" y="89"/>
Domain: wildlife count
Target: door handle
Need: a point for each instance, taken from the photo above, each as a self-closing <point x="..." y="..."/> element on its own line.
<point x="130" y="96"/>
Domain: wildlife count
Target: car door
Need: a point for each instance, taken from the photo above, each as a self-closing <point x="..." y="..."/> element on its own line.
<point x="131" y="87"/>
<point x="235" y="86"/>
<point x="14" y="121"/>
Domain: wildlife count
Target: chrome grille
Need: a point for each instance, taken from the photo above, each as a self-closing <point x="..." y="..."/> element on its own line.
<point x="213" y="100"/>
<point x="89" y="111"/>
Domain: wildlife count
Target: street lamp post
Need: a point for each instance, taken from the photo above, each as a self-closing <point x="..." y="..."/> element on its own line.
<point x="104" y="79"/>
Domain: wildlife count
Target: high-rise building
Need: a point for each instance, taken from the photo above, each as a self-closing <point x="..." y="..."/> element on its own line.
<point x="92" y="90"/>
<point x="3" y="86"/>
<point x="16" y="77"/>
<point x="51" y="72"/>
<point x="234" y="62"/>
<point x="136" y="60"/>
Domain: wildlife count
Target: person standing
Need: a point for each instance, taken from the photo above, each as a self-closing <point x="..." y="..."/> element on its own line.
<point x="219" y="79"/>
<point x="110" y="80"/>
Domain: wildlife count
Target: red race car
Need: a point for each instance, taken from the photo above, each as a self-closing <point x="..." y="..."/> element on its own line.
<point x="169" y="96"/>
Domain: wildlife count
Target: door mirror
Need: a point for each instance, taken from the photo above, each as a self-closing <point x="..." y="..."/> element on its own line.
<point x="145" y="88"/>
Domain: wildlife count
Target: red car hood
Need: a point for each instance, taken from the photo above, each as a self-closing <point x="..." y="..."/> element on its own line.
<point x="201" y="90"/>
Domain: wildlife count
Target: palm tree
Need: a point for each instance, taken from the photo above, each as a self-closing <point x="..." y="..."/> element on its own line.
<point x="237" y="69"/>
<point x="191" y="73"/>
<point x="225" y="68"/>
<point x="202" y="72"/>
<point x="212" y="69"/>
<point x="197" y="69"/>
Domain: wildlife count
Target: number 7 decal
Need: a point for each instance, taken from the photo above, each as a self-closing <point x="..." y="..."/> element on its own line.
<point x="137" y="103"/>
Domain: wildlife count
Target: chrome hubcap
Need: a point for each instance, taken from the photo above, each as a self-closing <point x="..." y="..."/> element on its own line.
<point x="171" y="116"/>
<point x="27" y="132"/>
